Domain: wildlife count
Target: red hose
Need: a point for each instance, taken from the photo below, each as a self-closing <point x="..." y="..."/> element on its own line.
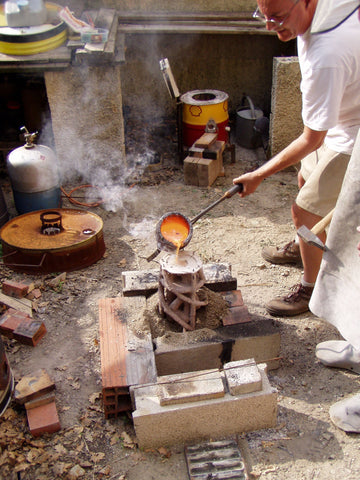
<point x="76" y="202"/>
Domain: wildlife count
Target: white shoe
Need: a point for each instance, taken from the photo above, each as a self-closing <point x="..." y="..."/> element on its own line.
<point x="346" y="414"/>
<point x="339" y="354"/>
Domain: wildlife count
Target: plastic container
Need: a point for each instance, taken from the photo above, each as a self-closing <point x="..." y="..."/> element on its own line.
<point x="25" y="13"/>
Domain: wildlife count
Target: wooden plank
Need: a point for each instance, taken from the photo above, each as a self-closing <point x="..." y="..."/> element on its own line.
<point x="22" y="304"/>
<point x="145" y="282"/>
<point x="191" y="171"/>
<point x="207" y="171"/>
<point x="206" y="140"/>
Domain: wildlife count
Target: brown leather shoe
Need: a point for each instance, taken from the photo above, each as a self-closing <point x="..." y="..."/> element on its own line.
<point x="289" y="253"/>
<point x="293" y="304"/>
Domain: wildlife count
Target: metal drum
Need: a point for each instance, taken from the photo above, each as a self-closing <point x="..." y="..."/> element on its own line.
<point x="49" y="241"/>
<point x="6" y="380"/>
<point x="201" y="106"/>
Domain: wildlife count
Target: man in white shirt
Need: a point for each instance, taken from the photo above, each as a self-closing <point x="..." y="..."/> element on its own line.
<point x="330" y="67"/>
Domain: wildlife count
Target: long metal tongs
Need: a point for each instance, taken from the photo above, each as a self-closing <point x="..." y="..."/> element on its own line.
<point x="228" y="194"/>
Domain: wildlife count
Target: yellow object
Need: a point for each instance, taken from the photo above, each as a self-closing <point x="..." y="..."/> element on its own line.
<point x="201" y="105"/>
<point x="33" y="40"/>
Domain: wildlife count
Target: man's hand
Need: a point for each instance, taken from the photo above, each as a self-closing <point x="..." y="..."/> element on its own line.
<point x="250" y="182"/>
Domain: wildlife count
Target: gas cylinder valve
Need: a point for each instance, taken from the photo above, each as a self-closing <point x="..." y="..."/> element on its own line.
<point x="29" y="137"/>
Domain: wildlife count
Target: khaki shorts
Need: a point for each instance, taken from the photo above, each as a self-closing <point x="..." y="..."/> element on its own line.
<point x="323" y="172"/>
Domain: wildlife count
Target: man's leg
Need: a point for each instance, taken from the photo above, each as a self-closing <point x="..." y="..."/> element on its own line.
<point x="311" y="256"/>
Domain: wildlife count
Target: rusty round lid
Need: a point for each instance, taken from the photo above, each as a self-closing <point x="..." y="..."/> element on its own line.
<point x="25" y="232"/>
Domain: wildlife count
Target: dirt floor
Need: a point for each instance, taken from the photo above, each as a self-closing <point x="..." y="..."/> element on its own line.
<point x="304" y="445"/>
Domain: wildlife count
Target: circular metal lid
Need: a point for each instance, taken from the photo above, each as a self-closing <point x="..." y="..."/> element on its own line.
<point x="25" y="231"/>
<point x="204" y="97"/>
<point x="181" y="263"/>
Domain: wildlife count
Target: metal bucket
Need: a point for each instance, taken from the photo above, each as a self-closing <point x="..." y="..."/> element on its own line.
<point x="6" y="380"/>
<point x="200" y="106"/>
<point x="246" y="135"/>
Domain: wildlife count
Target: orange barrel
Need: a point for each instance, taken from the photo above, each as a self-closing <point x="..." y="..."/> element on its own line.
<point x="200" y="106"/>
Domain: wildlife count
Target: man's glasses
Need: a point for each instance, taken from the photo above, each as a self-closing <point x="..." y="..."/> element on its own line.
<point x="276" y="23"/>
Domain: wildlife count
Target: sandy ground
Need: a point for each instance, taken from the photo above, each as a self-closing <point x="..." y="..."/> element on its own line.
<point x="304" y="445"/>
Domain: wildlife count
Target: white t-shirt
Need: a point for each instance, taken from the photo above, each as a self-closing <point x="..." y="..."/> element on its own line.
<point x="330" y="85"/>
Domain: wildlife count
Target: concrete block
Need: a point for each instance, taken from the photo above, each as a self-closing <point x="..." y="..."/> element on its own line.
<point x="160" y="425"/>
<point x="258" y="339"/>
<point x="243" y="377"/>
<point x="190" y="387"/>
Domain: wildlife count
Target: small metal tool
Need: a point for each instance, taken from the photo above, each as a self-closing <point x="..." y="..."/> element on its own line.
<point x="311" y="236"/>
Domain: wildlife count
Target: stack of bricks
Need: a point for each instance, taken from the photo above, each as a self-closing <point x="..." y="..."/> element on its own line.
<point x="204" y="162"/>
<point x="37" y="393"/>
<point x="18" y="324"/>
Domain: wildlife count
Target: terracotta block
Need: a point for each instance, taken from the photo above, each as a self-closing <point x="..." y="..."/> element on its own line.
<point x="43" y="419"/>
<point x="33" y="386"/>
<point x="238" y="312"/>
<point x="126" y="359"/>
<point x="15" y="289"/>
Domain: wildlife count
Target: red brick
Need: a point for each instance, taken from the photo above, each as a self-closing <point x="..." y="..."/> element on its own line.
<point x="15" y="289"/>
<point x="11" y="320"/>
<point x="238" y="312"/>
<point x="30" y="333"/>
<point x="43" y="419"/>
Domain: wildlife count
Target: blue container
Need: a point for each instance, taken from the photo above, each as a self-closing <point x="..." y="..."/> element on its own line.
<point x="30" y="202"/>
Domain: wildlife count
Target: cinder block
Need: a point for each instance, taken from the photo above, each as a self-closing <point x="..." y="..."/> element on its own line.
<point x="15" y="289"/>
<point x="159" y="425"/>
<point x="190" y="387"/>
<point x="43" y="419"/>
<point x="258" y="339"/>
<point x="243" y="376"/>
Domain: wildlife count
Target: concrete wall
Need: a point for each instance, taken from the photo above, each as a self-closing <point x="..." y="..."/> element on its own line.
<point x="285" y="119"/>
<point x="231" y="63"/>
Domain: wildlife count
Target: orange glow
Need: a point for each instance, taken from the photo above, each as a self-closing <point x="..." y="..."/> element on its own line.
<point x="175" y="229"/>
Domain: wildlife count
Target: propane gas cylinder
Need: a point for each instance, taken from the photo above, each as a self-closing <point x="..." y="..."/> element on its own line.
<point x="34" y="176"/>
